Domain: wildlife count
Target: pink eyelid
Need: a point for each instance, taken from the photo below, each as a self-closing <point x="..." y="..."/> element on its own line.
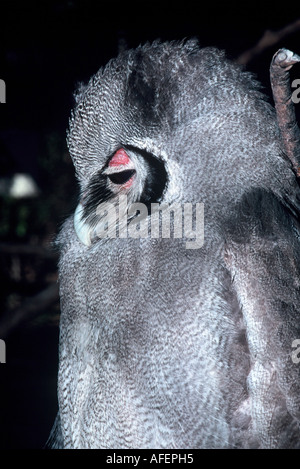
<point x="120" y="158"/>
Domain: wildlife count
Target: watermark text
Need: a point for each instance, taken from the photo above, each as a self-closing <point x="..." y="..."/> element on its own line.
<point x="2" y="91"/>
<point x="2" y="351"/>
<point x="295" y="355"/>
<point x="166" y="221"/>
<point x="296" y="93"/>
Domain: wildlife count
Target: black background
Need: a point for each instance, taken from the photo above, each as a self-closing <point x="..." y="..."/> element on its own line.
<point x="46" y="48"/>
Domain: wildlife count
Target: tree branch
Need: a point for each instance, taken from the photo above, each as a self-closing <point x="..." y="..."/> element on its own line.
<point x="281" y="63"/>
<point x="270" y="38"/>
<point x="27" y="249"/>
<point x="31" y="307"/>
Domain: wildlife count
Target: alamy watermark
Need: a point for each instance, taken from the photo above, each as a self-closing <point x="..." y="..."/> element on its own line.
<point x="295" y="355"/>
<point x="2" y="351"/>
<point x="296" y="93"/>
<point x="2" y="91"/>
<point x="166" y="221"/>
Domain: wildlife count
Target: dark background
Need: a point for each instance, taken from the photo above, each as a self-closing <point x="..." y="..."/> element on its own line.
<point x="46" y="49"/>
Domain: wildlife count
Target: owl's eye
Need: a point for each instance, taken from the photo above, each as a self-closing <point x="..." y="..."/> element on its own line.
<point x="120" y="169"/>
<point x="121" y="177"/>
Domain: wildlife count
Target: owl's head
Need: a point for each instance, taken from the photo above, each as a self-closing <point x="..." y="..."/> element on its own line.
<point x="164" y="123"/>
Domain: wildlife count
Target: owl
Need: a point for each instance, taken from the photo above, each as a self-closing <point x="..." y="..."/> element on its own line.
<point x="179" y="270"/>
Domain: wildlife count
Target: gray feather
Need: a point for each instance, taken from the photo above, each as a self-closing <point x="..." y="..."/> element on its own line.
<point x="163" y="346"/>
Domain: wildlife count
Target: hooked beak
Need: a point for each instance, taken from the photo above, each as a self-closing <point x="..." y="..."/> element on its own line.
<point x="82" y="229"/>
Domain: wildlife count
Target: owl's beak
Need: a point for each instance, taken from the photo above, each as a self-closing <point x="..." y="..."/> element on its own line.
<point x="82" y="229"/>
